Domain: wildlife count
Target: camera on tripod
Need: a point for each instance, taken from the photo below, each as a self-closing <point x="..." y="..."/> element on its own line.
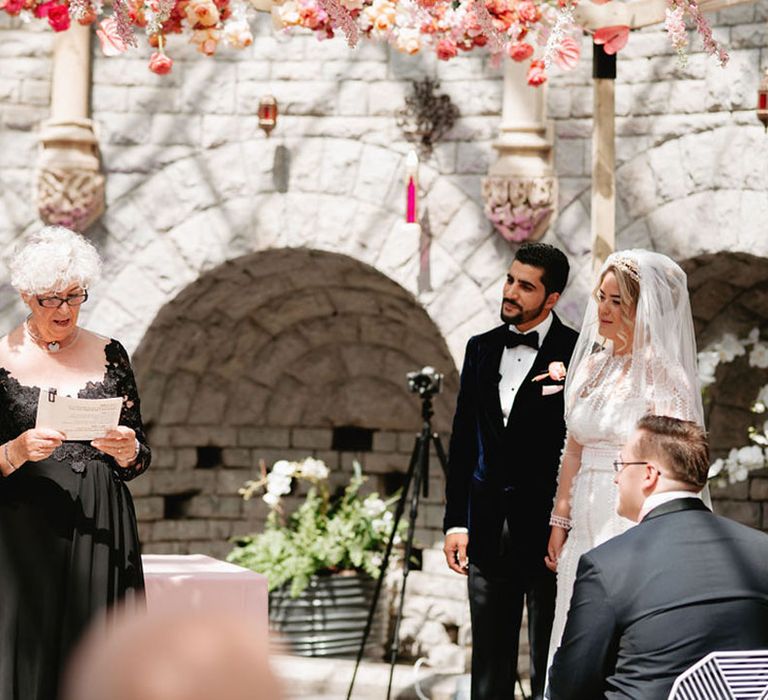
<point x="425" y="382"/>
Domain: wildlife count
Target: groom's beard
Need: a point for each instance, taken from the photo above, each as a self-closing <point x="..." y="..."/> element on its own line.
<point x="522" y="315"/>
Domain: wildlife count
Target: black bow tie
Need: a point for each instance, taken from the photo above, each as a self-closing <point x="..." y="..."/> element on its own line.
<point x="514" y="339"/>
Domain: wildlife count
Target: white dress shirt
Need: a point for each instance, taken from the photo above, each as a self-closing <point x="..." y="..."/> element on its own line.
<point x="656" y="499"/>
<point x="515" y="365"/>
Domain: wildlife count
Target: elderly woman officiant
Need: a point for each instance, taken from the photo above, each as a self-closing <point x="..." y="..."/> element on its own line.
<point x="69" y="546"/>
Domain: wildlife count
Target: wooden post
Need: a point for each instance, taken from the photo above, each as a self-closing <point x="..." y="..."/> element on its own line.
<point x="603" y="157"/>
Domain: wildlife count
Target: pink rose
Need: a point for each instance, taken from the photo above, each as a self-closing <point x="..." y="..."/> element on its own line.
<point x="446" y="49"/>
<point x="537" y="74"/>
<point x="520" y="51"/>
<point x="160" y="63"/>
<point x="528" y="12"/>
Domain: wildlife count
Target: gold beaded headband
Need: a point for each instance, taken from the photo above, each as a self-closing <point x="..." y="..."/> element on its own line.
<point x="627" y="265"/>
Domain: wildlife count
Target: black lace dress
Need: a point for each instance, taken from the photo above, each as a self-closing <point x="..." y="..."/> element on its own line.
<point x="69" y="544"/>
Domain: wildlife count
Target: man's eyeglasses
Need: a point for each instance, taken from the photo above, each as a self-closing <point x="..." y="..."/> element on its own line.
<point x="619" y="464"/>
<point x="55" y="302"/>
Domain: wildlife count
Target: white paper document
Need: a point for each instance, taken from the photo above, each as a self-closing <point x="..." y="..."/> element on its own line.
<point x="78" y="419"/>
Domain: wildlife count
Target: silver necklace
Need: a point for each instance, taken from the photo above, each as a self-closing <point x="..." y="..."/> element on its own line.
<point x="53" y="346"/>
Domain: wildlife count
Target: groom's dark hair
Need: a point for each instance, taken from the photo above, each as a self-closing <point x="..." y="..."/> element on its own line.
<point x="550" y="259"/>
<point x="681" y="444"/>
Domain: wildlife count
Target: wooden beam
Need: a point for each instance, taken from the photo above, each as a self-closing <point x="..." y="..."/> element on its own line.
<point x="636" y="13"/>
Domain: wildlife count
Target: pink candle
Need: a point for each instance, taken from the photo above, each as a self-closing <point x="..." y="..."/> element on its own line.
<point x="410" y="209"/>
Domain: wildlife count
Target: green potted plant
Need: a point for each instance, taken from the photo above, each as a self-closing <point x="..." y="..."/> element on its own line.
<point x="322" y="560"/>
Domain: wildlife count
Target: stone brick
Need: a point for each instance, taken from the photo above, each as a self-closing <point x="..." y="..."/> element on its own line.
<point x="172" y="530"/>
<point x="178" y="482"/>
<point x="148" y="508"/>
<point x="36" y="92"/>
<point x="384" y="441"/>
<point x="213" y="506"/>
<point x="311" y="438"/>
<point x="263" y="437"/>
<point x="743" y="512"/>
<point x="239" y="457"/>
<point x="163" y="457"/>
<point x="733" y="492"/>
<point x="758" y="489"/>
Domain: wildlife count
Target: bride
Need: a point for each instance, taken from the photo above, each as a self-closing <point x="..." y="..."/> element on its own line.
<point x="636" y="354"/>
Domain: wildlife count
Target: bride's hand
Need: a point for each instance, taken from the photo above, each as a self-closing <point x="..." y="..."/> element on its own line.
<point x="557" y="538"/>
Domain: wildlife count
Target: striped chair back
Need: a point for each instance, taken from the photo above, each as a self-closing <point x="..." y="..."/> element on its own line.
<point x="725" y="675"/>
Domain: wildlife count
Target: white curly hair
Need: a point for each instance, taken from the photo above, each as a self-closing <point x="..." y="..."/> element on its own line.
<point x="52" y="260"/>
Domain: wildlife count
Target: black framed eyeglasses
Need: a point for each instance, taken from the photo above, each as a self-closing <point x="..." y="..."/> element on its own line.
<point x="55" y="302"/>
<point x="619" y="464"/>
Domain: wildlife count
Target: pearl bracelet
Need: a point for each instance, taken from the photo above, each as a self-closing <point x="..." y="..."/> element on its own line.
<point x="8" y="459"/>
<point x="559" y="521"/>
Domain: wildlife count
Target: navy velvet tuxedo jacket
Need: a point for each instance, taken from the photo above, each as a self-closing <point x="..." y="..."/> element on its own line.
<point x="500" y="472"/>
<point x="651" y="602"/>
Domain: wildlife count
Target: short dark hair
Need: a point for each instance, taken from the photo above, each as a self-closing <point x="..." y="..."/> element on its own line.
<point x="552" y="260"/>
<point x="682" y="444"/>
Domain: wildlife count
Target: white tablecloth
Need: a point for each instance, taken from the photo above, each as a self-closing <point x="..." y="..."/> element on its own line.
<point x="198" y="582"/>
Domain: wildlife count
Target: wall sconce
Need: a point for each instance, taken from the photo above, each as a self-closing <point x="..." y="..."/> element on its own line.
<point x="762" y="100"/>
<point x="267" y="113"/>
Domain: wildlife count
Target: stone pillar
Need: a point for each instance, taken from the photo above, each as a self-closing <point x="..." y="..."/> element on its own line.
<point x="70" y="186"/>
<point x="603" y="157"/>
<point x="520" y="191"/>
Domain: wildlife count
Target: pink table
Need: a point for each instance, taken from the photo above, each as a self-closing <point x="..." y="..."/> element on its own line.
<point x="197" y="582"/>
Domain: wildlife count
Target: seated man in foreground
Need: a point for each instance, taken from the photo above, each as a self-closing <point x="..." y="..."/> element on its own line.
<point x="683" y="583"/>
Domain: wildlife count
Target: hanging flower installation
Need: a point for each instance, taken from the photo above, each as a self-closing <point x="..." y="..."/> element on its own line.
<point x="540" y="32"/>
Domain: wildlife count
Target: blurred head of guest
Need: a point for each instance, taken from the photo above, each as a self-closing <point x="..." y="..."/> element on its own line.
<point x="174" y="655"/>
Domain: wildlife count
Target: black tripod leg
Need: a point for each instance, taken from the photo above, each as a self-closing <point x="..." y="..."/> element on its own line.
<point x="422" y="466"/>
<point x="399" y="510"/>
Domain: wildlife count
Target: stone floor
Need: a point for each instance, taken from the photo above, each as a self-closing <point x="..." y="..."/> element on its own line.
<point x="315" y="679"/>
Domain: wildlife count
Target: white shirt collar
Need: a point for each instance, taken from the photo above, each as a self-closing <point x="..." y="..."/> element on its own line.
<point x="542" y="328"/>
<point x="656" y="499"/>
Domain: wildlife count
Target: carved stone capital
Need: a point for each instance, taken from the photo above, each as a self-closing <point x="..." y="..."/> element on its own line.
<point x="520" y="207"/>
<point x="69" y="182"/>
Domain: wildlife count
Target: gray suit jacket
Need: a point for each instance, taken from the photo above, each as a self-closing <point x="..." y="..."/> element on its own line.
<point x="651" y="602"/>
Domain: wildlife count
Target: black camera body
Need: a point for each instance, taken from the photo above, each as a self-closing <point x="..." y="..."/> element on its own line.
<point x="425" y="382"/>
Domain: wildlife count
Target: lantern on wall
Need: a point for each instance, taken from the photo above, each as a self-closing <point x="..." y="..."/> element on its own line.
<point x="762" y="100"/>
<point x="267" y="113"/>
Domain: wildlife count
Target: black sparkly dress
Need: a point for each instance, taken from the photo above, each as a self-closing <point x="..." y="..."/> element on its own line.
<point x="69" y="545"/>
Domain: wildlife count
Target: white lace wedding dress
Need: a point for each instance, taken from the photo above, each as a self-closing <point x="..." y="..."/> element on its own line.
<point x="601" y="419"/>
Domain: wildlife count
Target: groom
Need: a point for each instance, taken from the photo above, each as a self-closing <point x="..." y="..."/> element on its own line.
<point x="508" y="432"/>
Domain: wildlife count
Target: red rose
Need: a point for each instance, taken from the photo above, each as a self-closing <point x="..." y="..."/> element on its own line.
<point x="520" y="51"/>
<point x="537" y="74"/>
<point x="160" y="63"/>
<point x="58" y="18"/>
<point x="446" y="49"/>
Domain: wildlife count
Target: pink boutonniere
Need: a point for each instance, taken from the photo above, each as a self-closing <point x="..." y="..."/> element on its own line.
<point x="555" y="371"/>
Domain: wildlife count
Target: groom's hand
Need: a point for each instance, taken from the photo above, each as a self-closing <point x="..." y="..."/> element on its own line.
<point x="455" y="549"/>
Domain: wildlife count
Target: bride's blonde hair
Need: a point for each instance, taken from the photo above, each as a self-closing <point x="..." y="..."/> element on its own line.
<point x="627" y="275"/>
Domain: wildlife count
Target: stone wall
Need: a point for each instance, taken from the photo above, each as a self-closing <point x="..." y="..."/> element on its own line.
<point x="281" y="355"/>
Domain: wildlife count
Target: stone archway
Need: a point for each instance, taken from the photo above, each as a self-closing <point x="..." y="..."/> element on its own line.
<point x="729" y="294"/>
<point x="280" y="354"/>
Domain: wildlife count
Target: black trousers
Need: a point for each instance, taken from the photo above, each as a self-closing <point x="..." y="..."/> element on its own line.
<point x="496" y="598"/>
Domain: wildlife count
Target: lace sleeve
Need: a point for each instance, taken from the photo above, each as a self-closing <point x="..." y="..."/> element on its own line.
<point x="672" y="394"/>
<point x="119" y="366"/>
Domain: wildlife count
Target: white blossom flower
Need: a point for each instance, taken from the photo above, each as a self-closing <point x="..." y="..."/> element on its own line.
<point x="759" y="356"/>
<point x="729" y="348"/>
<point x="377" y="559"/>
<point x="271" y="499"/>
<point x="752" y="457"/>
<point x="284" y="468"/>
<point x="737" y="473"/>
<point x="708" y="361"/>
<point x="373" y="506"/>
<point x="715" y="468"/>
<point x="754" y="335"/>
<point x="314" y="469"/>
<point x="279" y="484"/>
